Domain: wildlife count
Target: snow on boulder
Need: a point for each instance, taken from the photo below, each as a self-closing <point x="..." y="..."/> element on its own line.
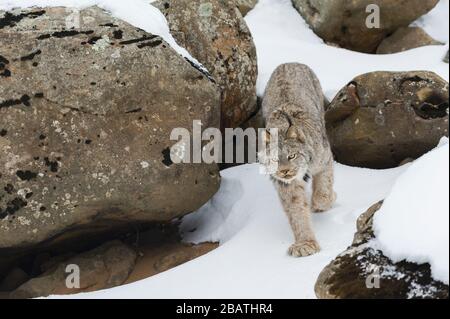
<point x="413" y="223"/>
<point x="401" y="247"/>
<point x="139" y="13"/>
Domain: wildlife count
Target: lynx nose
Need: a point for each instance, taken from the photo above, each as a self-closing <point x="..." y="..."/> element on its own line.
<point x="284" y="172"/>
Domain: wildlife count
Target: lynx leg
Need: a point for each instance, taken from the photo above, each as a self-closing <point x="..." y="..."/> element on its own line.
<point x="323" y="194"/>
<point x="296" y="205"/>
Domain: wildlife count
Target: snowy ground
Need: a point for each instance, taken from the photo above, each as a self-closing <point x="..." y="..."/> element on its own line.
<point x="245" y="216"/>
<point x="252" y="261"/>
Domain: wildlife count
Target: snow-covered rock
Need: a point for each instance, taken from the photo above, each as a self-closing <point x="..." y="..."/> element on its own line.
<point x="139" y="13"/>
<point x="413" y="223"/>
<point x="364" y="272"/>
<point x="401" y="248"/>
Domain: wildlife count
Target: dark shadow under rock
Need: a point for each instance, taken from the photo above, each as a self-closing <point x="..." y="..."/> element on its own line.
<point x="136" y="256"/>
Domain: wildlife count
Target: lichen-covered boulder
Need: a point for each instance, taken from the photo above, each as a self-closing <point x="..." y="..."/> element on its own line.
<point x="382" y="118"/>
<point x="216" y="34"/>
<point x="362" y="272"/>
<point x="85" y="122"/>
<point x="406" y="39"/>
<point x="343" y="22"/>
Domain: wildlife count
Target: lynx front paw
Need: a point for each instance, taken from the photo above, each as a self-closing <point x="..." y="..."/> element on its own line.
<point x="303" y="249"/>
<point x="322" y="203"/>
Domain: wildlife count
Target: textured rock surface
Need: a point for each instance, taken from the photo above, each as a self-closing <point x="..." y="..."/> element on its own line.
<point x="245" y="5"/>
<point x="13" y="279"/>
<point x="215" y="33"/>
<point x="406" y="39"/>
<point x="344" y="22"/>
<point x="154" y="260"/>
<point x="349" y="274"/>
<point x="104" y="267"/>
<point x="380" y="119"/>
<point x="85" y="120"/>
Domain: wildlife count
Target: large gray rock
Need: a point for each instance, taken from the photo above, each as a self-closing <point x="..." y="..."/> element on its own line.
<point x="354" y="273"/>
<point x="215" y="33"/>
<point x="85" y="121"/>
<point x="382" y="118"/>
<point x="104" y="267"/>
<point x="406" y="39"/>
<point x="344" y="22"/>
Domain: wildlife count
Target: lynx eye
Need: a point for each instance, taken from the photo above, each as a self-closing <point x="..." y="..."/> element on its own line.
<point x="292" y="157"/>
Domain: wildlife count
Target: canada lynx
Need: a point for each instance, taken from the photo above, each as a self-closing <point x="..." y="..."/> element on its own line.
<point x="294" y="104"/>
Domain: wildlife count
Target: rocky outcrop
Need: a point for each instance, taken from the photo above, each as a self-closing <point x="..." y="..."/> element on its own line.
<point x="382" y="118"/>
<point x="362" y="272"/>
<point x="215" y="33"/>
<point x="343" y="22"/>
<point x="85" y="122"/>
<point x="104" y="267"/>
<point x="406" y="39"/>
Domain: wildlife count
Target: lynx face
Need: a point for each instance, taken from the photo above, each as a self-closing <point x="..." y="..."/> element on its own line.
<point x="293" y="161"/>
<point x="293" y="158"/>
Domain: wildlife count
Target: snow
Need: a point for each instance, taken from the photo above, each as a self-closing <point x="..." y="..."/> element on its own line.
<point x="413" y="223"/>
<point x="252" y="261"/>
<point x="246" y="216"/>
<point x="139" y="13"/>
<point x="281" y="36"/>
